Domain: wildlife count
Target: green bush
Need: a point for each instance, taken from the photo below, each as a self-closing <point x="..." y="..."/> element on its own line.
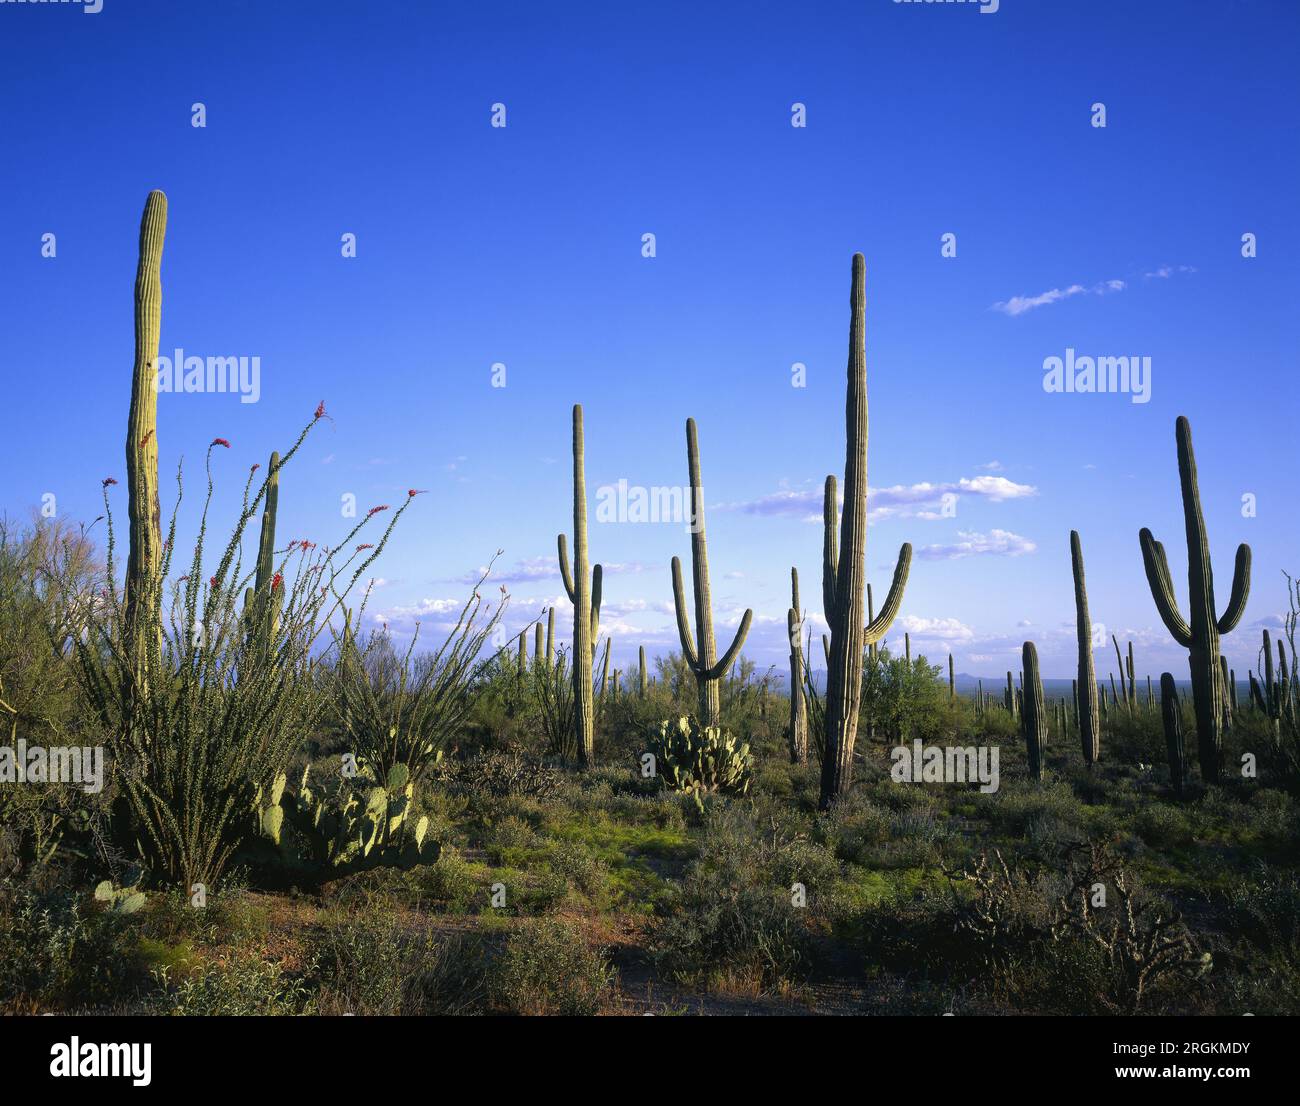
<point x="548" y="968"/>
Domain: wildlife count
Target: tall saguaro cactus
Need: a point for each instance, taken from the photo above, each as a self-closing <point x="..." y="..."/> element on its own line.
<point x="144" y="561"/>
<point x="585" y="597"/>
<point x="261" y="604"/>
<point x="1085" y="687"/>
<point x="1033" y="716"/>
<point x="844" y="577"/>
<point x="643" y="684"/>
<point x="798" y="705"/>
<point x="1171" y="715"/>
<point x="1199" y="634"/>
<point x="701" y="654"/>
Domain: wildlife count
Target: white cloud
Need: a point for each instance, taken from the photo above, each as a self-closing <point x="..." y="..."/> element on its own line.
<point x="996" y="543"/>
<point x="936" y="629"/>
<point x="921" y="500"/>
<point x="1018" y="305"/>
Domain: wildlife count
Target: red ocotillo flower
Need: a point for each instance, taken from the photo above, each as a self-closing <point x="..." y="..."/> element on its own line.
<point x="320" y="409"/>
<point x="277" y="582"/>
<point x="212" y="581"/>
<point x="411" y="493"/>
<point x="107" y="481"/>
<point x="365" y="545"/>
<point x="376" y="510"/>
<point x="145" y="440"/>
<point x="221" y="442"/>
<point x="256" y="467"/>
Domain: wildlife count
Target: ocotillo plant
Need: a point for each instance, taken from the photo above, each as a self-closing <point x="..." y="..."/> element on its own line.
<point x="1125" y="687"/>
<point x="1172" y="716"/>
<point x="1086" y="703"/>
<point x="1199" y="634"/>
<point x="1273" y="696"/>
<point x="1033" y="722"/>
<point x="585" y="598"/>
<point x="701" y="653"/>
<point x="844" y="577"/>
<point x="143" y="583"/>
<point x="798" y="705"/>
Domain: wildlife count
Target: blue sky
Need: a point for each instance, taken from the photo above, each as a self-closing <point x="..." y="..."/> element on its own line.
<point x="522" y="245"/>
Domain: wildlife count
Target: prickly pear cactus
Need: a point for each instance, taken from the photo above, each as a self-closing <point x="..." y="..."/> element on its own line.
<point x="701" y="759"/>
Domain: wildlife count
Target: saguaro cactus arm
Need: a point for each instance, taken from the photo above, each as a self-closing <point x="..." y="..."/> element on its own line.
<point x="728" y="658"/>
<point x="1162" y="589"/>
<point x="1240" y="591"/>
<point x="894" y="599"/>
<point x="565" y="574"/>
<point x="830" y="550"/>
<point x="683" y="620"/>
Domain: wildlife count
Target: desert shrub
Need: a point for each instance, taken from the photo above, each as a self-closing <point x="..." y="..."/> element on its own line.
<point x="547" y="967"/>
<point x="731" y="914"/>
<point x="854" y="826"/>
<point x="372" y="963"/>
<point x="497" y="775"/>
<point x="1162" y="826"/>
<point x="244" y="987"/>
<point x="58" y="950"/>
<point x="579" y="867"/>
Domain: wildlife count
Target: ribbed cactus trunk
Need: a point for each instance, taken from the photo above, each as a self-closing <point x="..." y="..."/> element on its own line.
<point x="952" y="680"/>
<point x="1085" y="687"/>
<point x="262" y="602"/>
<point x="1033" y="722"/>
<point x="584" y="594"/>
<point x="523" y="652"/>
<point x="144" y="559"/>
<point x="844" y="568"/>
<point x="701" y="653"/>
<point x="798" y="705"/>
<point x="1200" y="634"/>
<point x="539" y="648"/>
<point x="550" y="637"/>
<point x="643" y="684"/>
<point x="1172" y="716"/>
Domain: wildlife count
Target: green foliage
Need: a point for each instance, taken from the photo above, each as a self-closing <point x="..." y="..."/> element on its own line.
<point x="404" y="711"/>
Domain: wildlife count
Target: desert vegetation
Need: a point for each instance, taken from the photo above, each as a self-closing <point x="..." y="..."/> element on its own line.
<point x="296" y="817"/>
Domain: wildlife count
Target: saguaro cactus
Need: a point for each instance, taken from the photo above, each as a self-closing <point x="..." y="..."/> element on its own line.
<point x="844" y="577"/>
<point x="643" y="683"/>
<point x="261" y="603"/>
<point x="144" y="560"/>
<point x="952" y="680"/>
<point x="1033" y="722"/>
<point x="585" y="598"/>
<point x="550" y="637"/>
<point x="1172" y="716"/>
<point x="702" y="661"/>
<point x="798" y="706"/>
<point x="1200" y="634"/>
<point x="1085" y="686"/>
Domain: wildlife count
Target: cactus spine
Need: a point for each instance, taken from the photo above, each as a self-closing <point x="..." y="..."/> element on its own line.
<point x="585" y="597"/>
<point x="1172" y="716"/>
<point x="703" y="661"/>
<point x="798" y="706"/>
<point x="844" y="577"/>
<point x="1033" y="722"/>
<point x="1200" y="634"/>
<point x="144" y="561"/>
